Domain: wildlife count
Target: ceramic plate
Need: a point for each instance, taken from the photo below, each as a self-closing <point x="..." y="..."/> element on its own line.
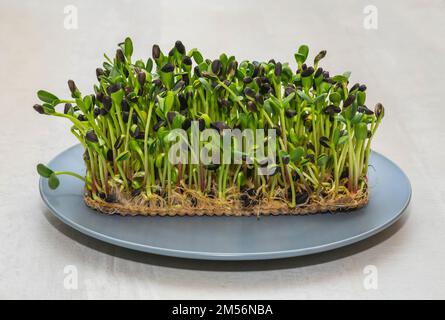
<point x="231" y="238"/>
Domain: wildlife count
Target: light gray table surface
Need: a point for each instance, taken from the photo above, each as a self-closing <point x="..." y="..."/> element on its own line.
<point x="402" y="62"/>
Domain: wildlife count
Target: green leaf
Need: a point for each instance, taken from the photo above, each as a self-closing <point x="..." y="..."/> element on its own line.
<point x="340" y="78"/>
<point x="197" y="56"/>
<point x="177" y="121"/>
<point x="361" y="98"/>
<point x="282" y="153"/>
<point x="48" y="108"/>
<point x="343" y="139"/>
<point x="53" y="181"/>
<point x="46" y="96"/>
<point x="301" y="55"/>
<point x="159" y="160"/>
<point x="335" y="136"/>
<point x="340" y="118"/>
<point x="288" y="99"/>
<point x="361" y="131"/>
<point x="44" y="171"/>
<point x="347" y="74"/>
<point x="320" y="98"/>
<point x="128" y="46"/>
<point x="117" y="97"/>
<point x="149" y="65"/>
<point x="140" y="64"/>
<point x="205" y="84"/>
<point x="304" y="96"/>
<point x="123" y="156"/>
<point x="357" y="118"/>
<point x="322" y="160"/>
<point x="169" y="101"/>
<point x="241" y="179"/>
<point x="207" y="119"/>
<point x="335" y="97"/>
<point x="296" y="154"/>
<point x="114" y="74"/>
<point x="88" y="102"/>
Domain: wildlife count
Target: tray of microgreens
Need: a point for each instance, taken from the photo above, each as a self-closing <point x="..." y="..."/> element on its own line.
<point x="179" y="134"/>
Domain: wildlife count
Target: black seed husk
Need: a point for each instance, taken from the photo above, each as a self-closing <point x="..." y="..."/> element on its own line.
<point x="114" y="88"/>
<point x="118" y="143"/>
<point x="216" y="66"/>
<point x="251" y="106"/>
<point x="365" y="110"/>
<point x="67" y="108"/>
<point x="219" y="126"/>
<point x="186" y="124"/>
<point x="72" y="86"/>
<point x="247" y="80"/>
<point x="286" y="159"/>
<point x="259" y="99"/>
<point x="91" y="136"/>
<point x="201" y="124"/>
<point x="180" y="47"/>
<point x="324" y="141"/>
<point x="197" y="71"/>
<point x="107" y="103"/>
<point x="110" y="155"/>
<point x="307" y="72"/>
<point x="156" y="52"/>
<point x="182" y="101"/>
<point x="136" y="192"/>
<point x="99" y="72"/>
<point x="378" y="110"/>
<point x="39" y="108"/>
<point x="125" y="116"/>
<point x="249" y="92"/>
<point x="135" y="133"/>
<point x="124" y="105"/>
<point x="187" y="61"/>
<point x="301" y="197"/>
<point x="111" y="198"/>
<point x="310" y="146"/>
<point x="157" y="125"/>
<point x="223" y="103"/>
<point x="141" y="78"/>
<point x="349" y="100"/>
<point x="179" y="85"/>
<point x="168" y="68"/>
<point x="332" y="109"/>
<point x="120" y="55"/>
<point x="289" y="113"/>
<point x="212" y="166"/>
<point x="171" y="116"/>
<point x="100" y="96"/>
<point x="354" y="87"/>
<point x="278" y="69"/>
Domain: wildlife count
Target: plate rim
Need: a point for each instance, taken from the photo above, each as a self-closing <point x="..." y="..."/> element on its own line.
<point x="233" y="256"/>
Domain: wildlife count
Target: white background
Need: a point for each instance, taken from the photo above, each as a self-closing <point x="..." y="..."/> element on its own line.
<point x="402" y="63"/>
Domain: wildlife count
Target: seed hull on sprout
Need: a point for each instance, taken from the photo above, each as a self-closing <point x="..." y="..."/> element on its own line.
<point x="321" y="152"/>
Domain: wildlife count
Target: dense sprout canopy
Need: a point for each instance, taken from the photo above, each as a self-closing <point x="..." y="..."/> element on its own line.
<point x="322" y="123"/>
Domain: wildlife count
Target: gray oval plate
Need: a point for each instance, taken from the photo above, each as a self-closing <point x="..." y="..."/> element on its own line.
<point x="231" y="238"/>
